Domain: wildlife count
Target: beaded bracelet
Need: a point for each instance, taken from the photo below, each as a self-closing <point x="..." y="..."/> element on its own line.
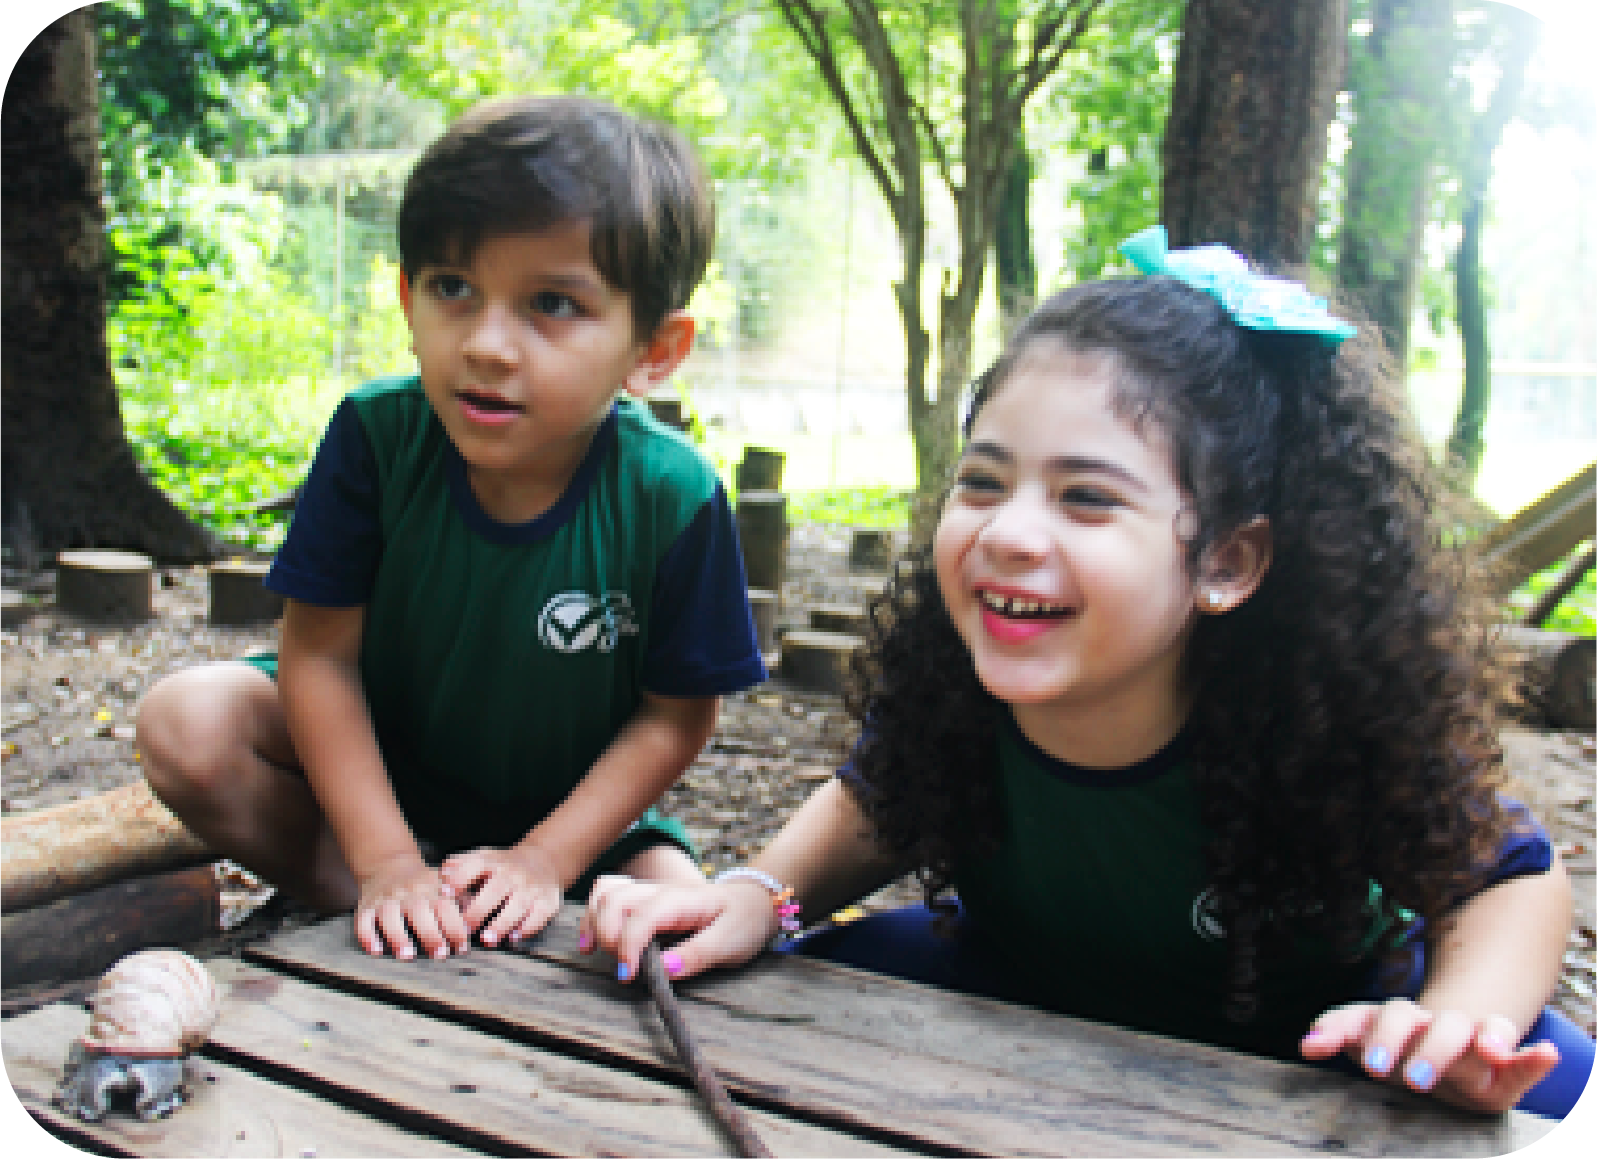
<point x="787" y="909"/>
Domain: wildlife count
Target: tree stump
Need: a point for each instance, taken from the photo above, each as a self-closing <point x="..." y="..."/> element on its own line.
<point x="762" y="532"/>
<point x="847" y="619"/>
<point x="238" y="596"/>
<point x="669" y="411"/>
<point x="764" y="605"/>
<point x="871" y="549"/>
<point x="817" y="661"/>
<point x="105" y="585"/>
<point x="1558" y="674"/>
<point x="760" y="470"/>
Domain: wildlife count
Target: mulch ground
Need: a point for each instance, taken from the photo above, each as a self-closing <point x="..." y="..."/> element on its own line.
<point x="70" y="690"/>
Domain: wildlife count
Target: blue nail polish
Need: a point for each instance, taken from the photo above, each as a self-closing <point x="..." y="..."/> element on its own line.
<point x="623" y="971"/>
<point x="1421" y="1075"/>
<point x="1378" y="1060"/>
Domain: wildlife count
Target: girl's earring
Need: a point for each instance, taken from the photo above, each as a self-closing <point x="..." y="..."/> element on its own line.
<point x="1213" y="600"/>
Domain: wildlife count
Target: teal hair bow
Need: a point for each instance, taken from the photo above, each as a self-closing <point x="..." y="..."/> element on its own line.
<point x="1255" y="301"/>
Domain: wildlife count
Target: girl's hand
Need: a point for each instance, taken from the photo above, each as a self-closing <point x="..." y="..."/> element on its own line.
<point x="729" y="923"/>
<point x="1469" y="1063"/>
<point x="508" y="893"/>
<point x="406" y="896"/>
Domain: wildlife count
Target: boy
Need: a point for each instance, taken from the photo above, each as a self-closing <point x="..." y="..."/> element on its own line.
<point x="512" y="598"/>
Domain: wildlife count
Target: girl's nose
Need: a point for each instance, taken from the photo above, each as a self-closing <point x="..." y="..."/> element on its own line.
<point x="492" y="338"/>
<point x="1018" y="529"/>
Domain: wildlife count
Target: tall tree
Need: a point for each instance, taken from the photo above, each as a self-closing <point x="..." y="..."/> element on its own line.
<point x="1400" y="133"/>
<point x="942" y="87"/>
<point x="1255" y="89"/>
<point x="1516" y="35"/>
<point x="68" y="476"/>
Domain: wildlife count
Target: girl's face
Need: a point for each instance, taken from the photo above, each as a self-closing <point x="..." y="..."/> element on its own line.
<point x="1058" y="559"/>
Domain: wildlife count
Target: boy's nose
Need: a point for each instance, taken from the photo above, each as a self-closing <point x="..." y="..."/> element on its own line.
<point x="492" y="338"/>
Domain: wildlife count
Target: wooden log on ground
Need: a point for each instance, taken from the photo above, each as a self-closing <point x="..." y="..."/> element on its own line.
<point x="105" y="585"/>
<point x="762" y="533"/>
<point x="1568" y="579"/>
<point x="238" y="595"/>
<point x="817" y="661"/>
<point x="870" y="549"/>
<point x="1543" y="533"/>
<point x="760" y="470"/>
<point x="849" y="619"/>
<point x="1558" y="672"/>
<point x="79" y="936"/>
<point x="764" y="604"/>
<point x="50" y="853"/>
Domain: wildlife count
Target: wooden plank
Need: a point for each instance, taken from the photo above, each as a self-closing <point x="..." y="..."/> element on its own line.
<point x="1299" y="1104"/>
<point x="779" y="1057"/>
<point x="230" y="1112"/>
<point x="489" y="1092"/>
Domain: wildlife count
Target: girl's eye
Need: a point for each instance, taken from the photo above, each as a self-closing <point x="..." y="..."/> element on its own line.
<point x="450" y="287"/>
<point x="553" y="304"/>
<point x="1087" y="497"/>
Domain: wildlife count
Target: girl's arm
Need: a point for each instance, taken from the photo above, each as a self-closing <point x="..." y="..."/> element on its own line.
<point x="521" y="888"/>
<point x="825" y="853"/>
<point x="1486" y="982"/>
<point x="324" y="701"/>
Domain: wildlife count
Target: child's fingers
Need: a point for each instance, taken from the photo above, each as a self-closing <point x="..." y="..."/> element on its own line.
<point x="393" y="930"/>
<point x="1387" y="1040"/>
<point x="423" y="922"/>
<point x="1499" y="1074"/>
<point x="1338" y="1029"/>
<point x="1442" y="1049"/>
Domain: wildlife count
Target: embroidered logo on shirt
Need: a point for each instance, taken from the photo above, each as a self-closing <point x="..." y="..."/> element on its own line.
<point x="1206" y="916"/>
<point x="575" y="621"/>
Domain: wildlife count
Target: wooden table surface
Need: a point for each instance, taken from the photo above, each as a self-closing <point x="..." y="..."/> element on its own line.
<point x="322" y="1050"/>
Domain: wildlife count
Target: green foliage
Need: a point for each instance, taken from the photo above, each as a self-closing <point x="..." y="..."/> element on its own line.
<point x="852" y="506"/>
<point x="1576" y="613"/>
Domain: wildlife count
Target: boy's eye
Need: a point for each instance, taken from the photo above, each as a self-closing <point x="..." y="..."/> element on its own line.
<point x="977" y="481"/>
<point x="554" y="304"/>
<point x="450" y="287"/>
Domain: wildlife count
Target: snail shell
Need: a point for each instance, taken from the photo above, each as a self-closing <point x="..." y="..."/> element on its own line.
<point x="152" y="1004"/>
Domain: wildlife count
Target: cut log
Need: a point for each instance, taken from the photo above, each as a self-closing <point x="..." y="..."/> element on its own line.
<point x="760" y="470"/>
<point x="762" y="532"/>
<point x="238" y="596"/>
<point x="1566" y="581"/>
<point x="764" y="604"/>
<point x="1558" y="674"/>
<point x="871" y="549"/>
<point x="79" y="936"/>
<point x="848" y="619"/>
<point x="105" y="585"/>
<point x="817" y="661"/>
<point x="50" y="853"/>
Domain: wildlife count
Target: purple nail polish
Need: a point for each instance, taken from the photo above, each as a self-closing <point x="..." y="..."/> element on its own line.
<point x="1421" y="1075"/>
<point x="672" y="963"/>
<point x="1378" y="1060"/>
<point x="623" y="971"/>
<point x="585" y="943"/>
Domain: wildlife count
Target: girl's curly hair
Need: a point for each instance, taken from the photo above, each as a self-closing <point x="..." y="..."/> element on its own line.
<point x="1342" y="730"/>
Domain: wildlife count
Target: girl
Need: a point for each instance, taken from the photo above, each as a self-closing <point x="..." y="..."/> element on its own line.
<point x="1188" y="707"/>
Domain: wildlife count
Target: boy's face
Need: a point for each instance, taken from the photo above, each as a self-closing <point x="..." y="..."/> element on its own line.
<point x="521" y="352"/>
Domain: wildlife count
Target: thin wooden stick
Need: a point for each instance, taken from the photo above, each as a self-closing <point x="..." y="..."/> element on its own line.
<point x="705" y="1080"/>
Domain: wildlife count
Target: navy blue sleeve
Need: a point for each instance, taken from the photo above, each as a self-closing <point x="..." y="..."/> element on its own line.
<point x="702" y="631"/>
<point x="1526" y="850"/>
<point x="329" y="557"/>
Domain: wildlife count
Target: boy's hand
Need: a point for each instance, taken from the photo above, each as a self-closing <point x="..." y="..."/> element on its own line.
<point x="518" y="889"/>
<point x="729" y="923"/>
<point x="1446" y="1053"/>
<point x="407" y="896"/>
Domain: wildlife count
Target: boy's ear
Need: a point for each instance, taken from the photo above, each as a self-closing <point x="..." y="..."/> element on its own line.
<point x="1234" y="568"/>
<point x="662" y="354"/>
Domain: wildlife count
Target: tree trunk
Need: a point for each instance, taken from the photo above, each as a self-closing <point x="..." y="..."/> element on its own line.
<point x="1255" y="89"/>
<point x="1012" y="249"/>
<point x="69" y="477"/>
<point x="1467" y="443"/>
<point x="1399" y="89"/>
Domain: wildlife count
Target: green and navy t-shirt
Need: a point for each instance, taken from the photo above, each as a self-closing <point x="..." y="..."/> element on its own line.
<point x="500" y="660"/>
<point x="1099" y="902"/>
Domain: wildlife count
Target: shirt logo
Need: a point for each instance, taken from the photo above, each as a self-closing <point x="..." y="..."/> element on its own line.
<point x="575" y="621"/>
<point x="1206" y="916"/>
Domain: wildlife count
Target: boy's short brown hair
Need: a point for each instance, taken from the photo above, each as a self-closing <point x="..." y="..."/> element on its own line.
<point x="524" y="164"/>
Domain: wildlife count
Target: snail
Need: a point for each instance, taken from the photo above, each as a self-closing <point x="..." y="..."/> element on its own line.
<point x="150" y="1010"/>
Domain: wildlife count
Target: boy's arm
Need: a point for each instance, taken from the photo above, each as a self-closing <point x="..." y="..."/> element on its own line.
<point x="521" y="889"/>
<point x="324" y="701"/>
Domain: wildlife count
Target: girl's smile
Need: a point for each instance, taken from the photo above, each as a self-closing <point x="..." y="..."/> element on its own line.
<point x="1058" y="559"/>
